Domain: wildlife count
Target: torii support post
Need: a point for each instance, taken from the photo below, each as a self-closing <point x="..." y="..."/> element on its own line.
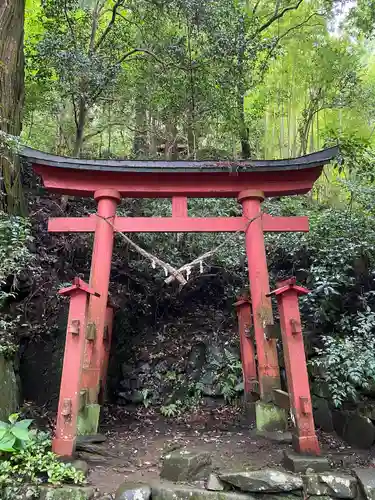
<point x="66" y="426"/>
<point x="107" y="200"/>
<point x="304" y="435"/>
<point x="107" y="340"/>
<point x="268" y="416"/>
<point x="249" y="369"/>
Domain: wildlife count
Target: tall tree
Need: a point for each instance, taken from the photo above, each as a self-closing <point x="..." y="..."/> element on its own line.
<point x="86" y="46"/>
<point x="11" y="100"/>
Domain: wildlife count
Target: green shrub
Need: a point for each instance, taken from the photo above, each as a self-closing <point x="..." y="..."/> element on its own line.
<point x="15" y="234"/>
<point x="27" y="457"/>
<point x="346" y="365"/>
<point x="14" y="435"/>
<point x="336" y="261"/>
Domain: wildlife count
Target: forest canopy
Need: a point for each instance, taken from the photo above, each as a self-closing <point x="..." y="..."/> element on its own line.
<point x="243" y="79"/>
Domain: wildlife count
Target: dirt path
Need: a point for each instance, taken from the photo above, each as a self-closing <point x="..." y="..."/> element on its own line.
<point x="136" y="442"/>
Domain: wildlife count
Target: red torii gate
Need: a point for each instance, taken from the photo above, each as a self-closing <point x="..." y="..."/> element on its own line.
<point x="90" y="315"/>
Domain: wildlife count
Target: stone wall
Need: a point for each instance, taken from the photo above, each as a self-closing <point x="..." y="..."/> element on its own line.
<point x="9" y="391"/>
<point x="355" y="426"/>
<point x="187" y="475"/>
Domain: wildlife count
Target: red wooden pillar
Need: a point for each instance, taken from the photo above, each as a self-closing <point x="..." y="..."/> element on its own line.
<point x="179" y="206"/>
<point x="67" y="414"/>
<point x="107" y="339"/>
<point x="249" y="369"/>
<point x="304" y="436"/>
<point x="107" y="200"/>
<point x="268" y="364"/>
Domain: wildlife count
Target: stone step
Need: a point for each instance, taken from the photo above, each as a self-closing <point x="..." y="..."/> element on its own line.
<point x="366" y="479"/>
<point x="66" y="492"/>
<point x="296" y="462"/>
<point x="170" y="491"/>
<point x="266" y="480"/>
<point x="185" y="465"/>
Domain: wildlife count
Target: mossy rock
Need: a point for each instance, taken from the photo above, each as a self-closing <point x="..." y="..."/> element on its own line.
<point x="23" y="492"/>
<point x="67" y="493"/>
<point x="9" y="389"/>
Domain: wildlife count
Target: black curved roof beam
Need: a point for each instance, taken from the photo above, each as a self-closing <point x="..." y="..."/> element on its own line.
<point x="319" y="158"/>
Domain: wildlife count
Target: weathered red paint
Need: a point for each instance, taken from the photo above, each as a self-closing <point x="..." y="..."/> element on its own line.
<point x="78" y="283"/>
<point x="107" y="200"/>
<point x="66" y="425"/>
<point x="268" y="365"/>
<point x="107" y="340"/>
<point x="179" y="206"/>
<point x="178" y="224"/>
<point x="78" y="182"/>
<point x="249" y="369"/>
<point x="304" y="435"/>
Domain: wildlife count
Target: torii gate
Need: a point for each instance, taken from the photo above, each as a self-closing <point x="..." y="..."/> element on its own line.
<point x="90" y="315"/>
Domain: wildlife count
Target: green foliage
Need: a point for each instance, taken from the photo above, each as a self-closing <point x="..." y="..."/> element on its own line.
<point x="347" y="364"/>
<point x="30" y="459"/>
<point x="14" y="254"/>
<point x="14" y="435"/>
<point x="8" y="143"/>
<point x="15" y="236"/>
<point x="171" y="410"/>
<point x="146" y="395"/>
<point x="230" y="378"/>
<point x="181" y="395"/>
<point x="336" y="261"/>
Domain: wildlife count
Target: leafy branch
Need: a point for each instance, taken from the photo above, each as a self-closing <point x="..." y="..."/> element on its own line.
<point x="278" y="15"/>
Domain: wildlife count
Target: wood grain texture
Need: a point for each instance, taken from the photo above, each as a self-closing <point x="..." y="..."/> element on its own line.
<point x="11" y="94"/>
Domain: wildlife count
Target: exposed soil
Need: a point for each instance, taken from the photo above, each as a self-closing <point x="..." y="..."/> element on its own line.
<point x="136" y="441"/>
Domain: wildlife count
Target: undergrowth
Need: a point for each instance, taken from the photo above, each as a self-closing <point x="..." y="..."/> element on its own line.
<point x="26" y="458"/>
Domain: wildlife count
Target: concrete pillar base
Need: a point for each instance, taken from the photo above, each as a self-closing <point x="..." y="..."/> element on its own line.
<point x="88" y="420"/>
<point x="249" y="411"/>
<point x="270" y="417"/>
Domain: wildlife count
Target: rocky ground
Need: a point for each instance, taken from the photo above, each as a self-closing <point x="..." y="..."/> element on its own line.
<point x="137" y="441"/>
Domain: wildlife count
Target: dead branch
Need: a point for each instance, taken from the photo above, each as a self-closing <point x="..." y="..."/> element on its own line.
<point x="164" y="265"/>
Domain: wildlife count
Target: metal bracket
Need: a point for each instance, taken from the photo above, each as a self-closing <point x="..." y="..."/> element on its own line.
<point x="66" y="410"/>
<point x="295" y="326"/>
<point x="82" y="399"/>
<point x="91" y="331"/>
<point x="92" y="394"/>
<point x="272" y="332"/>
<point x="305" y="405"/>
<point x="74" y="327"/>
<point x="254" y="386"/>
<point x="281" y="399"/>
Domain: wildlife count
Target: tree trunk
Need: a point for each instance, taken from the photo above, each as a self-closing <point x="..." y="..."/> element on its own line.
<point x="80" y="127"/>
<point x="243" y="129"/>
<point x="11" y="100"/>
<point x="140" y="147"/>
<point x="304" y="130"/>
<point x="152" y="139"/>
<point x="171" y="146"/>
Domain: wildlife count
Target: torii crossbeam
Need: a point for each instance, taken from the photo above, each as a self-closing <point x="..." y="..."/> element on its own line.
<point x="110" y="180"/>
<point x="177" y="224"/>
